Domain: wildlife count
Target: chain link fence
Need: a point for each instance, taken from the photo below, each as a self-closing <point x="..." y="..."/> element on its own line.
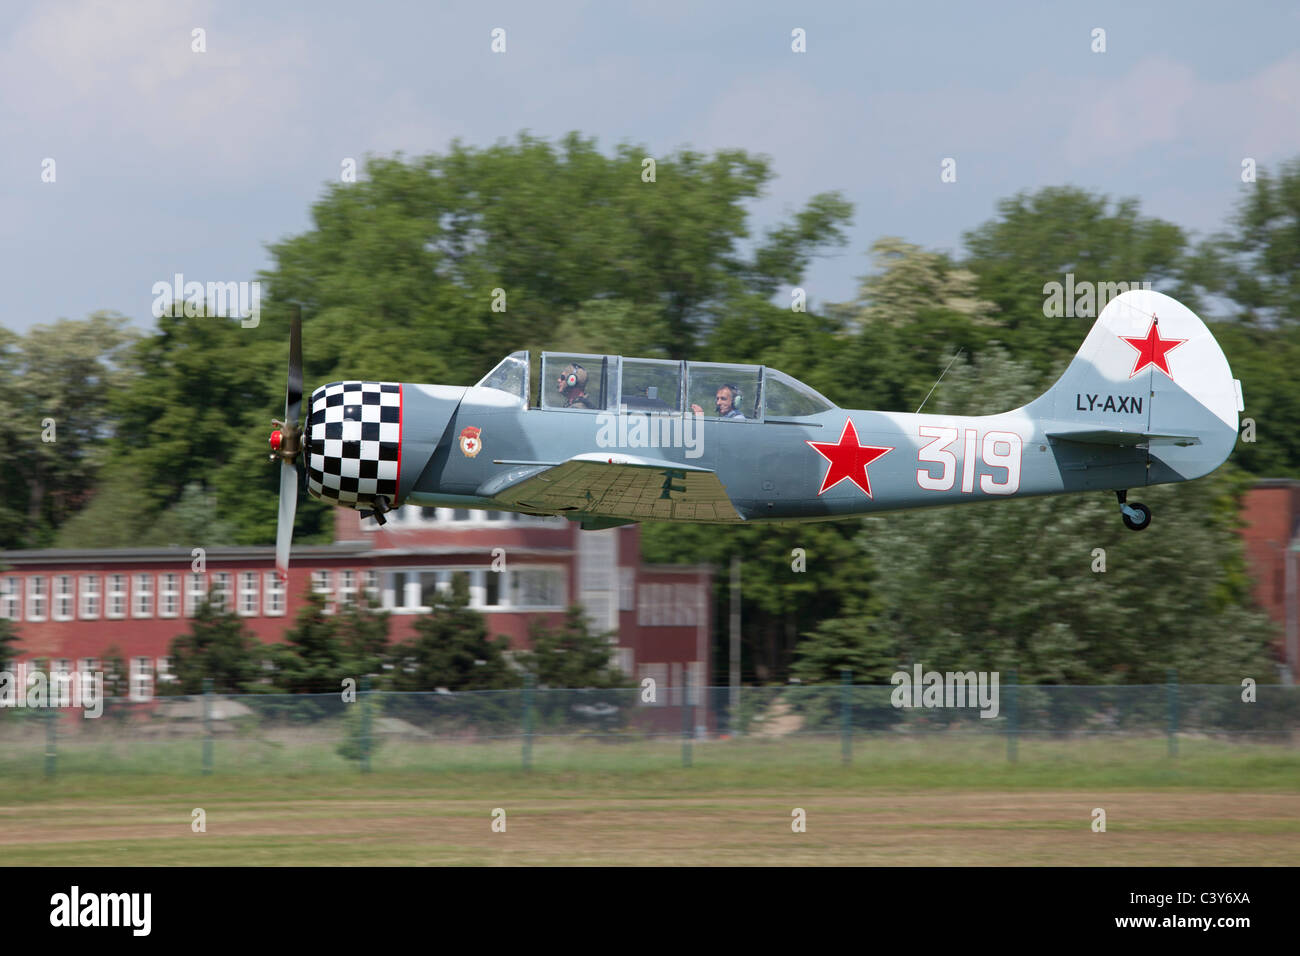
<point x="389" y="731"/>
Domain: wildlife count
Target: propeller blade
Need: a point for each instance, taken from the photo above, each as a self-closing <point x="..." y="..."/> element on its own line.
<point x="293" y="393"/>
<point x="284" y="526"/>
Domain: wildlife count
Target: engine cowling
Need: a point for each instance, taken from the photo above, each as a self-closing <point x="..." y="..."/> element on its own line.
<point x="354" y="443"/>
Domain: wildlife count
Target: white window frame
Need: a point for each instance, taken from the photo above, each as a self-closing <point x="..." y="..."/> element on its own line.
<point x="561" y="587"/>
<point x="110" y="594"/>
<point x="272" y="594"/>
<point x="86" y="668"/>
<point x="63" y="597"/>
<point x="370" y="584"/>
<point x="221" y="593"/>
<point x="347" y="587"/>
<point x="169" y="594"/>
<point x="164" y="671"/>
<point x="37" y="597"/>
<point x="196" y="591"/>
<point x="141" y="685"/>
<point x="142" y="595"/>
<point x="91" y="602"/>
<point x="249" y="597"/>
<point x="11" y="598"/>
<point x="61" y="678"/>
<point x="322" y="583"/>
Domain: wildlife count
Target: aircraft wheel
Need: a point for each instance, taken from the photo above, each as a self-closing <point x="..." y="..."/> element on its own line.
<point x="1141" y="521"/>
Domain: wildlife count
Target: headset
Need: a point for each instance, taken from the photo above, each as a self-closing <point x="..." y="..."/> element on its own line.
<point x="571" y="380"/>
<point x="735" y="392"/>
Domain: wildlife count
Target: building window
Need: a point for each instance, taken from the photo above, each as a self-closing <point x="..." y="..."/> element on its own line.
<point x="537" y="588"/>
<point x="492" y="589"/>
<point x="273" y="594"/>
<point x="169" y="595"/>
<point x="165" y="675"/>
<point x="36" y="598"/>
<point x="221" y="591"/>
<point x="87" y="671"/>
<point x="141" y="678"/>
<point x="143" y="596"/>
<point x="61" y="683"/>
<point x="248" y="593"/>
<point x="320" y="583"/>
<point x="90" y="597"/>
<point x="196" y="589"/>
<point x="686" y="601"/>
<point x="116" y="605"/>
<point x="63" y="597"/>
<point x="11" y="598"/>
<point x="347" y="587"/>
<point x="627" y="589"/>
<point x="370" y="584"/>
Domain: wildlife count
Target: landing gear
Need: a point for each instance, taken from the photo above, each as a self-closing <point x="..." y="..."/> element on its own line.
<point x="1137" y="516"/>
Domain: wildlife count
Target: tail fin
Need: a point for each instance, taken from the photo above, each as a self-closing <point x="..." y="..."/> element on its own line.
<point x="1148" y="374"/>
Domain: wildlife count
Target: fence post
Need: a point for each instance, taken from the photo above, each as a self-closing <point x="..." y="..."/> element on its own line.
<point x="51" y="742"/>
<point x="1013" y="715"/>
<point x="365" y="724"/>
<point x="207" y="726"/>
<point x="529" y="681"/>
<point x="688" y="718"/>
<point x="846" y="716"/>
<point x="1171" y="693"/>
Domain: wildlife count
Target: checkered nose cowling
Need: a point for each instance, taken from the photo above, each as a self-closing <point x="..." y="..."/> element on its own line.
<point x="354" y="431"/>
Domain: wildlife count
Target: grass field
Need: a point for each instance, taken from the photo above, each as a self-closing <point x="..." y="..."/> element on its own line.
<point x="940" y="801"/>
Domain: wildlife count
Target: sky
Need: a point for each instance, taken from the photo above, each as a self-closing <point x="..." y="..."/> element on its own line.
<point x="169" y="160"/>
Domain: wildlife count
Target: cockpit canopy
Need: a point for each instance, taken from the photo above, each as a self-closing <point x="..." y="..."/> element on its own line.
<point x="579" y="382"/>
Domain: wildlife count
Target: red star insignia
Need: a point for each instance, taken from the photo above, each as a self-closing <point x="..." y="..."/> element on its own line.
<point x="848" y="459"/>
<point x="1152" y="349"/>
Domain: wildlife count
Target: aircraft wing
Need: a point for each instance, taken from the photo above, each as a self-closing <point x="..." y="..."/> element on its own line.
<point x="617" y="486"/>
<point x="1120" y="438"/>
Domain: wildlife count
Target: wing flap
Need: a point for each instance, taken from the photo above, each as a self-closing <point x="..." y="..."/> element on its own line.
<point x="622" y="486"/>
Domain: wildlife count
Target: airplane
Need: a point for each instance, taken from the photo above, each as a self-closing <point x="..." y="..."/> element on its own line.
<point x="1148" y="399"/>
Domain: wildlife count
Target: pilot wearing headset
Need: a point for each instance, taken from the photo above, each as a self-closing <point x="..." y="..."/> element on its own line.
<point x="725" y="402"/>
<point x="572" y="384"/>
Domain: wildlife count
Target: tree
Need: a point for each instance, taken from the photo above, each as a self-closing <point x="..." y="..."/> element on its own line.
<point x="1037" y="238"/>
<point x="56" y="383"/>
<point x="9" y="641"/>
<point x="218" y="647"/>
<point x="311" y="659"/>
<point x="568" y="655"/>
<point x="451" y="649"/>
<point x="1256" y="262"/>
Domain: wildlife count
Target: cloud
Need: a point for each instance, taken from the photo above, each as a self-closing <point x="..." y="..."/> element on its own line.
<point x="126" y="74"/>
<point x="1162" y="102"/>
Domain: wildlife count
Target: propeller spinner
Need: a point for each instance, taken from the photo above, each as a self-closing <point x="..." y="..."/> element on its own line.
<point x="287" y="446"/>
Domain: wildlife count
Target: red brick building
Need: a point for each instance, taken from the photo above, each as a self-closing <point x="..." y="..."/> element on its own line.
<point x="1271" y="513"/>
<point x="70" y="607"/>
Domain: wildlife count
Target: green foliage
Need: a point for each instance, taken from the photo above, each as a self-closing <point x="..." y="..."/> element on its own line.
<point x="1256" y="263"/>
<point x="569" y="655"/>
<point x="1039" y="237"/>
<point x="451" y="649"/>
<point x="218" y="647"/>
<point x="56" y="385"/>
<point x="322" y="650"/>
<point x="9" y="641"/>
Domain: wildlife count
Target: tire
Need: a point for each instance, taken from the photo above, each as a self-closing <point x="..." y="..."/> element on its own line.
<point x="1140" y="524"/>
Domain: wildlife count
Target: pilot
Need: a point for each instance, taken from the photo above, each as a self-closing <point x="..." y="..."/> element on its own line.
<point x="572" y="385"/>
<point x="725" y="402"/>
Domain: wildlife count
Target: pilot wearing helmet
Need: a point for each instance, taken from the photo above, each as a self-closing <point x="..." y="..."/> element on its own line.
<point x="572" y="385"/>
<point x="725" y="402"/>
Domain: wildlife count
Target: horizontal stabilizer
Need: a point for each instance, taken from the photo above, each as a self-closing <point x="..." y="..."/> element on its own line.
<point x="1120" y="438"/>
